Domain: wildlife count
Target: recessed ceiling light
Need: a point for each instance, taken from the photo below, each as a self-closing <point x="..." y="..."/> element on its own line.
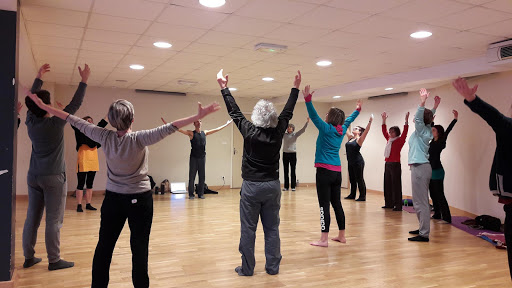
<point x="421" y="34"/>
<point x="268" y="79"/>
<point x="387" y="89"/>
<point x="136" y="67"/>
<point x="324" y="63"/>
<point x="162" y="45"/>
<point x="336" y="97"/>
<point x="232" y="89"/>
<point x="212" y="3"/>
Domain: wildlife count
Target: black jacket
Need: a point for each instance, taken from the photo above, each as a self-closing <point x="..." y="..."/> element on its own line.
<point x="260" y="161"/>
<point x="82" y="139"/>
<point x="500" y="181"/>
<point x="436" y="147"/>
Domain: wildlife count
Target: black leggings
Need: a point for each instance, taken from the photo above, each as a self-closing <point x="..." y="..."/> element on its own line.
<point x="441" y="208"/>
<point x="328" y="189"/>
<point x="85" y="177"/>
<point x="289" y="159"/>
<point x="356" y="176"/>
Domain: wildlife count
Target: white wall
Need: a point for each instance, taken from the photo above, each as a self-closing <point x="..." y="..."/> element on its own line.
<point x="470" y="147"/>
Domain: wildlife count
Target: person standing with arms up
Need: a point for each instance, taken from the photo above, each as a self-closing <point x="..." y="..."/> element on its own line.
<point x="290" y="154"/>
<point x="500" y="180"/>
<point x="421" y="171"/>
<point x="393" y="167"/>
<point x="197" y="162"/>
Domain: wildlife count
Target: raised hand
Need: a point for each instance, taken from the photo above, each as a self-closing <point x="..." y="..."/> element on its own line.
<point x="462" y="87"/>
<point x="34" y="98"/>
<point x="359" y="104"/>
<point x="384" y="117"/>
<point x="223" y="82"/>
<point x="45" y="68"/>
<point x="84" y="73"/>
<point x="371" y="118"/>
<point x="18" y="107"/>
<point x="424" y="96"/>
<point x="298" y="79"/>
<point x="204" y="111"/>
<point x="307" y="93"/>
<point x="407" y="117"/>
<point x="437" y="101"/>
<point x="455" y="114"/>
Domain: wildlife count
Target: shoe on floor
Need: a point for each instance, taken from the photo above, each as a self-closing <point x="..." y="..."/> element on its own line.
<point x="202" y="197"/>
<point x="293" y="189"/>
<point x="418" y="239"/>
<point x="350" y="197"/>
<point x="238" y="270"/>
<point x="31" y="262"/>
<point x="89" y="207"/>
<point x="436" y="217"/>
<point x="415" y="232"/>
<point x="79" y="208"/>
<point x="285" y="189"/>
<point x="360" y="199"/>
<point x="191" y="197"/>
<point x="386" y="207"/>
<point x="61" y="264"/>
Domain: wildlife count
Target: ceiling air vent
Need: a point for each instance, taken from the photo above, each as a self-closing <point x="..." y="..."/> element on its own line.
<point x="506" y="52"/>
<point x="500" y="53"/>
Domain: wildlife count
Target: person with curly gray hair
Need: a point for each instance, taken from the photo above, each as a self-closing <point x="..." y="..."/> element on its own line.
<point x="261" y="191"/>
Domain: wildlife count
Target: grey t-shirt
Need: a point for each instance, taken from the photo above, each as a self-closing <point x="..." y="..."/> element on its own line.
<point x="127" y="156"/>
<point x="290" y="140"/>
<point x="47" y="136"/>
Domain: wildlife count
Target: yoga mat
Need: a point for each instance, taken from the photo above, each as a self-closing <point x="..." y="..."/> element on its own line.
<point x="457" y="223"/>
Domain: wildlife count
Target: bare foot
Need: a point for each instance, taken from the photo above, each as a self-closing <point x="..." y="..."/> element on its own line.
<point x="319" y="243"/>
<point x="340" y="239"/>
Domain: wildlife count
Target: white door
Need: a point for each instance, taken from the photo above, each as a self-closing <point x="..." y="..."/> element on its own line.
<point x="345" y="182"/>
<point x="236" y="158"/>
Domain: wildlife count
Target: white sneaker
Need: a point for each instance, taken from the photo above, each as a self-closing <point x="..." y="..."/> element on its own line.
<point x="293" y="189"/>
<point x="284" y="189"/>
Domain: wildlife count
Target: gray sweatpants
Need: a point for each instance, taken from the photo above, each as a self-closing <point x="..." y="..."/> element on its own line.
<point x="45" y="192"/>
<point x="420" y="178"/>
<point x="260" y="199"/>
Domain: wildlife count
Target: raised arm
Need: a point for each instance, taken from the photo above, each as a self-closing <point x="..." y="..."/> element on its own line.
<point x="189" y="133"/>
<point x="209" y="132"/>
<point x="403" y="136"/>
<point x="301" y="131"/>
<point x="361" y="139"/>
<point x="233" y="110"/>
<point x="287" y="113"/>
<point x="313" y="115"/>
<point x="452" y="124"/>
<point x="353" y="116"/>
<point x="493" y="117"/>
<point x="384" y="127"/>
<point x="76" y="102"/>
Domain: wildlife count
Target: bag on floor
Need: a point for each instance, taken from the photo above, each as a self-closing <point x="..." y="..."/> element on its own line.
<point x="489" y="222"/>
<point x="407" y="202"/>
<point x="165" y="186"/>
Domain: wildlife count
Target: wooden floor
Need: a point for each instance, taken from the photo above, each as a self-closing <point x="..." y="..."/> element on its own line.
<point x="194" y="243"/>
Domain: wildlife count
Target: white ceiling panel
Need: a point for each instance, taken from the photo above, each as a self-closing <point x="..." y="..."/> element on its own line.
<point x="190" y="17"/>
<point x="156" y="76"/>
<point x="97" y="67"/>
<point x="500" y="5"/>
<point x="99" y="55"/>
<point x="329" y="18"/>
<point x="149" y="63"/>
<point x="474" y="2"/>
<point x="343" y="39"/>
<point x="162" y="54"/>
<point x="225" y="39"/>
<point x="229" y="7"/>
<point x="110" y="37"/>
<point x="366" y="6"/>
<point x="187" y="57"/>
<point x="42" y="59"/>
<point x="208" y="49"/>
<point x="38" y="28"/>
<point x="173" y="32"/>
<point x="424" y="11"/>
<point x="118" y="24"/>
<point x="41" y="51"/>
<point x="105" y="47"/>
<point x="74" y="5"/>
<point x="291" y="32"/>
<point x="275" y="10"/>
<point x="246" y="26"/>
<point x="54" y="16"/>
<point x="55" y="41"/>
<point x="498" y="29"/>
<point x="473" y="18"/>
<point x="471" y="41"/>
<point x="133" y="9"/>
<point x="147" y="41"/>
<point x="177" y="65"/>
<point x="382" y="26"/>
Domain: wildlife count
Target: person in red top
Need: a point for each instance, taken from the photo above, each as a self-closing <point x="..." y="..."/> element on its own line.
<point x="393" y="169"/>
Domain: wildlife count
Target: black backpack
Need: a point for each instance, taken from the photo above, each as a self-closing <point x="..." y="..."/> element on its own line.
<point x="489" y="222"/>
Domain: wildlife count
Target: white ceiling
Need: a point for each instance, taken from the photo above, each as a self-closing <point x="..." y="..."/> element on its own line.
<point x="364" y="39"/>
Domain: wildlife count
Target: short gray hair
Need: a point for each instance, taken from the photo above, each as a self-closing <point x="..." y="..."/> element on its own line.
<point x="120" y="114"/>
<point x="264" y="114"/>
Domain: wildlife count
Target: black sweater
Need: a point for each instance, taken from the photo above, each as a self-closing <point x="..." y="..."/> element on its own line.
<point x="82" y="139"/>
<point x="260" y="162"/>
<point x="436" y="147"/>
<point x="500" y="181"/>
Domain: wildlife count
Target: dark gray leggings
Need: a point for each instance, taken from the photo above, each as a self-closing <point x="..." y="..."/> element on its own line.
<point x="197" y="166"/>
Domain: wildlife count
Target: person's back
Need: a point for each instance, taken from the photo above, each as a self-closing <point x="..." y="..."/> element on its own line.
<point x="47" y="136"/>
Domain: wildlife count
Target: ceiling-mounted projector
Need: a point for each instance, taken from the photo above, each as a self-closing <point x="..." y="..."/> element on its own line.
<point x="270" y="48"/>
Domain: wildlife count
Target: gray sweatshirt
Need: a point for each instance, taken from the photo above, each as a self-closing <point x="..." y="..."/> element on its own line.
<point x="127" y="156"/>
<point x="290" y="140"/>
<point x="47" y="136"/>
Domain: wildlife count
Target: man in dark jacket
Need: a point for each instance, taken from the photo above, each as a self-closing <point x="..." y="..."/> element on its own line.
<point x="500" y="181"/>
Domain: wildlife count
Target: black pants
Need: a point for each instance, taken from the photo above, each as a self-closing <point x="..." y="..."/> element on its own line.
<point x="85" y="178"/>
<point x="116" y="208"/>
<point x="328" y="189"/>
<point x="441" y="208"/>
<point x="508" y="234"/>
<point x="393" y="185"/>
<point x="356" y="174"/>
<point x="197" y="166"/>
<point x="289" y="159"/>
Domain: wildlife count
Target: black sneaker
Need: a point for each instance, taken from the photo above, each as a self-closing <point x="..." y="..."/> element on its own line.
<point x="397" y="209"/>
<point x="387" y="207"/>
<point x="437" y="217"/>
<point x="88" y="206"/>
<point x="79" y="208"/>
<point x="350" y="197"/>
<point x="418" y="239"/>
<point x="415" y="232"/>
